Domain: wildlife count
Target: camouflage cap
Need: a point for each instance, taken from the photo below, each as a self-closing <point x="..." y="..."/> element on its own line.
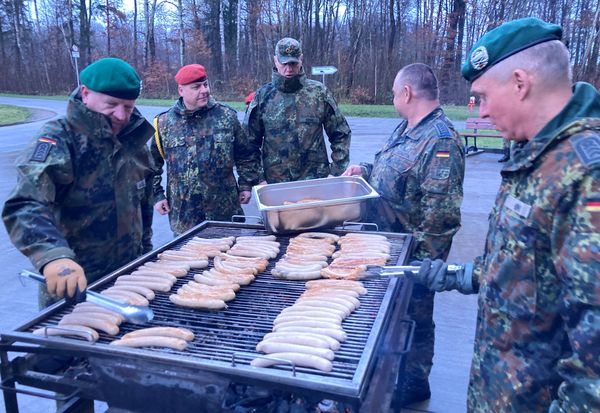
<point x="113" y="77"/>
<point x="288" y="50"/>
<point x="505" y="41"/>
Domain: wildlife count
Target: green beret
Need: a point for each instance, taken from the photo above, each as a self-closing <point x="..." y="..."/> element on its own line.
<point x="113" y="77"/>
<point x="506" y="40"/>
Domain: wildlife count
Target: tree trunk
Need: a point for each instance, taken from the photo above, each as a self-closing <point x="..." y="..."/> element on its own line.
<point x="181" y="34"/>
<point x="135" y="34"/>
<point x="237" y="33"/>
<point x="222" y="41"/>
<point x="108" y="52"/>
<point x="16" y="22"/>
<point x="84" y="34"/>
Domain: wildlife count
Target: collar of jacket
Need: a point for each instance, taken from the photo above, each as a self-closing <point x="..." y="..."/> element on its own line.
<point x="585" y="103"/>
<point x="415" y="133"/>
<point x="92" y="123"/>
<point x="288" y="84"/>
<point x="181" y="110"/>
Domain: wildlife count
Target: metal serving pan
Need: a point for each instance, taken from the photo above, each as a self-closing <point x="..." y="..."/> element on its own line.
<point x="332" y="201"/>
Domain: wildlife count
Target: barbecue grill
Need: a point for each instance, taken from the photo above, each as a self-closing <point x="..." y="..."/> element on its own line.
<point x="215" y="367"/>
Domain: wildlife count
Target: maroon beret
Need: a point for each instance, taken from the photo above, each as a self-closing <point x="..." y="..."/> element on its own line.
<point x="190" y="74"/>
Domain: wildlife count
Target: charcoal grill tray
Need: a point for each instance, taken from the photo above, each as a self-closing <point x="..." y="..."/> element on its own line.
<point x="225" y="340"/>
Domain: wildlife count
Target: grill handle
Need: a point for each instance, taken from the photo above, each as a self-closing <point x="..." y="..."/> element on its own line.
<point x="364" y="224"/>
<point x="244" y="218"/>
<point x="409" y="336"/>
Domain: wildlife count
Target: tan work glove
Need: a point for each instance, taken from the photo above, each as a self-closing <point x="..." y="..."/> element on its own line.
<point x="62" y="275"/>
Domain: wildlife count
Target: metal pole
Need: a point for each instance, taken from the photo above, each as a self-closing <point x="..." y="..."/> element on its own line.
<point x="323" y="77"/>
<point x="76" y="71"/>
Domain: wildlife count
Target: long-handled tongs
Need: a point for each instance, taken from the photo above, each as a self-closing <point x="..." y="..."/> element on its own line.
<point x="132" y="313"/>
<point x="376" y="271"/>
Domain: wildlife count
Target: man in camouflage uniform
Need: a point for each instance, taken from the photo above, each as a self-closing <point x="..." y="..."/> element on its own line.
<point x="419" y="174"/>
<point x="537" y="343"/>
<point x="201" y="140"/>
<point x="82" y="206"/>
<point x="286" y="118"/>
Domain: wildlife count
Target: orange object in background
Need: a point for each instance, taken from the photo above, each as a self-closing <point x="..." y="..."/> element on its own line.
<point x="250" y="97"/>
<point x="471" y="104"/>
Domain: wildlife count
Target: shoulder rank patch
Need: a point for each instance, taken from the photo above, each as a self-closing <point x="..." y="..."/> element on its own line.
<point x="587" y="149"/>
<point x="593" y="205"/>
<point x="42" y="149"/>
<point x="442" y="130"/>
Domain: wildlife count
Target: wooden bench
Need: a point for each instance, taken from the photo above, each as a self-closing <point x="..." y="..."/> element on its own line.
<point x="477" y="124"/>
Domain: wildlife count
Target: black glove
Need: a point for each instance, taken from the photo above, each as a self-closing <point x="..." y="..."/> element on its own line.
<point x="435" y="276"/>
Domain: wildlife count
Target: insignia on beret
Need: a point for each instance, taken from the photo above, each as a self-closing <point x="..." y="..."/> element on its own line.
<point x="587" y="149"/>
<point x="42" y="149"/>
<point x="479" y="58"/>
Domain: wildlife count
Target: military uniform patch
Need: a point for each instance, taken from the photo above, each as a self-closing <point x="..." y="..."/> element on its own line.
<point x="442" y="130"/>
<point x="442" y="154"/>
<point x="42" y="149"/>
<point x="587" y="149"/>
<point x="593" y="205"/>
<point x="518" y="207"/>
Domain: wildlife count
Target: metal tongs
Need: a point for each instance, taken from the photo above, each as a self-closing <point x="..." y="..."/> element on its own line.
<point x="377" y="271"/>
<point x="133" y="313"/>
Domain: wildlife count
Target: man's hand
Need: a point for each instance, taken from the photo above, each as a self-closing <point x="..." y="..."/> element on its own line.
<point x="244" y="197"/>
<point x="435" y="276"/>
<point x="162" y="207"/>
<point x="64" y="275"/>
<point x="353" y="170"/>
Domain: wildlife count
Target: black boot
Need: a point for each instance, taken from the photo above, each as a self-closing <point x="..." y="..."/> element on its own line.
<point x="506" y="156"/>
<point x="414" y="391"/>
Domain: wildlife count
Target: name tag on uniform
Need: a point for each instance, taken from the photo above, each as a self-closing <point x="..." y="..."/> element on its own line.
<point x="141" y="184"/>
<point x="518" y="207"/>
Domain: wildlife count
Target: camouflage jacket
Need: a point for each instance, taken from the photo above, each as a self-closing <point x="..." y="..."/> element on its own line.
<point x="419" y="174"/>
<point x="537" y="344"/>
<point x="83" y="193"/>
<point x="201" y="148"/>
<point x="286" y="118"/>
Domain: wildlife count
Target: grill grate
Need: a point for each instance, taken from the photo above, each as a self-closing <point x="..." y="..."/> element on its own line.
<point x="237" y="329"/>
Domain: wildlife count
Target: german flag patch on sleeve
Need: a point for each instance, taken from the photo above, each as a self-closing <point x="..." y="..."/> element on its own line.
<point x="592" y="205"/>
<point x="42" y="149"/>
<point x="442" y="154"/>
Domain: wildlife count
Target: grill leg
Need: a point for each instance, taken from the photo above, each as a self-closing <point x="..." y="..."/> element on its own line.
<point x="10" y="398"/>
<point x="75" y="405"/>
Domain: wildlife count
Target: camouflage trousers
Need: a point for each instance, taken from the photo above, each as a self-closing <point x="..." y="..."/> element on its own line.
<point x="420" y="358"/>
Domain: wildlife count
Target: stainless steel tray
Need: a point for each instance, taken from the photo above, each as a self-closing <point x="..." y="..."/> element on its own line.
<point x="333" y="201"/>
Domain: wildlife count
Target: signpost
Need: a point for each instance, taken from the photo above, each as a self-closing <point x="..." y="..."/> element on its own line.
<point x="323" y="70"/>
<point x="75" y="56"/>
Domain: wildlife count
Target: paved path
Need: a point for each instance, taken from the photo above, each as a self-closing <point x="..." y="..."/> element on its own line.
<point x="455" y="314"/>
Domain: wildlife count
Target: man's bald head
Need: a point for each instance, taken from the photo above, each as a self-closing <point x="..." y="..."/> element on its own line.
<point x="421" y="80"/>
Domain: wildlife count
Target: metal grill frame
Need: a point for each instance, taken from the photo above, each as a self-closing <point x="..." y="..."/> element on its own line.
<point x="386" y="343"/>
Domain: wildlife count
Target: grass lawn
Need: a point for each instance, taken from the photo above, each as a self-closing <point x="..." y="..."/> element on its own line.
<point x="13" y="114"/>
